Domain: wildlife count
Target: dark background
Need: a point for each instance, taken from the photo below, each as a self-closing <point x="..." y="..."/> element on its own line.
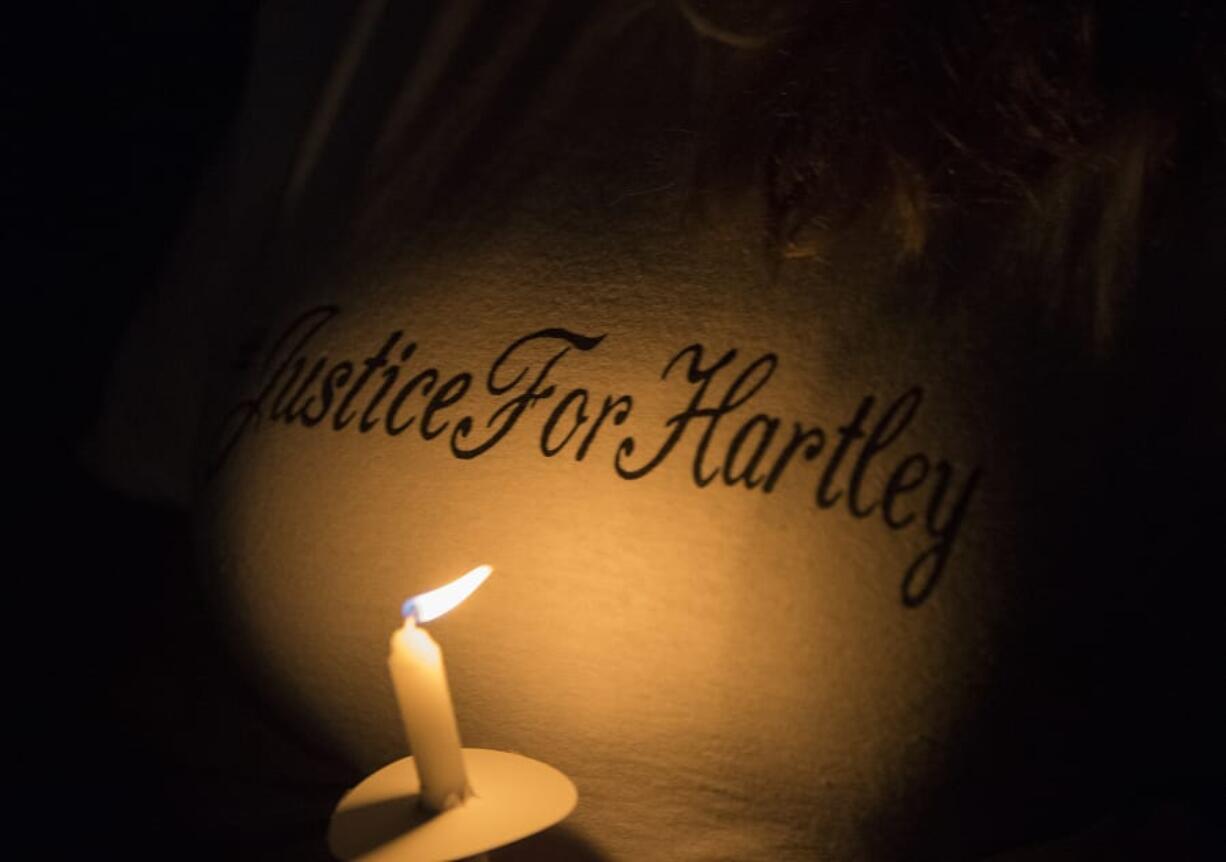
<point x="134" y="734"/>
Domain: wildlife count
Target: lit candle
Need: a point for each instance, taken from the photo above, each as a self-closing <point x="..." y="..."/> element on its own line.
<point x="420" y="680"/>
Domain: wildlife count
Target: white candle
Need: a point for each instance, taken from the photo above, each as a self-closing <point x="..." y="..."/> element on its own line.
<point x="420" y="680"/>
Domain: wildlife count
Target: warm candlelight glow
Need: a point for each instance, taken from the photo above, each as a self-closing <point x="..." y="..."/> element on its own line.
<point x="428" y="606"/>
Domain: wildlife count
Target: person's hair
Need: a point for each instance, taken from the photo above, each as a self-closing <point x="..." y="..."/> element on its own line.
<point x="1049" y="141"/>
<point x="1057" y="123"/>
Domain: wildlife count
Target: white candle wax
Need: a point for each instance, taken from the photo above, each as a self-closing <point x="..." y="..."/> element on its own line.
<point x="416" y="663"/>
<point x="420" y="681"/>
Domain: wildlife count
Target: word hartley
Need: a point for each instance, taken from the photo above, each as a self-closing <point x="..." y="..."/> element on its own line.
<point x="315" y="391"/>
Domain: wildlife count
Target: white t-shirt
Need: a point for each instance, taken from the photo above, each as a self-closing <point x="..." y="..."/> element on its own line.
<point x="788" y="565"/>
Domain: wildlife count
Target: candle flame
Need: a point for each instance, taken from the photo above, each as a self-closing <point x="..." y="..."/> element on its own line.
<point x="428" y="606"/>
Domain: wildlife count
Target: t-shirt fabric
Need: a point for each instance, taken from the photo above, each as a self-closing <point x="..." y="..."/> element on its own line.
<point x="791" y="562"/>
